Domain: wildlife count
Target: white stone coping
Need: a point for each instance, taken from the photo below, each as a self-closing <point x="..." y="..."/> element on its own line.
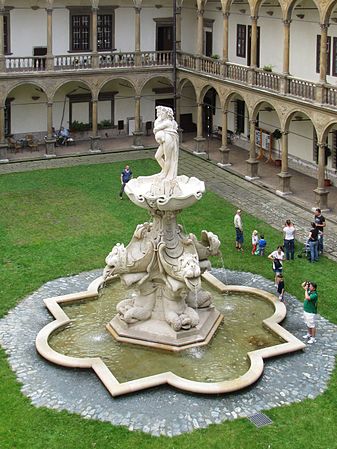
<point x="116" y="388"/>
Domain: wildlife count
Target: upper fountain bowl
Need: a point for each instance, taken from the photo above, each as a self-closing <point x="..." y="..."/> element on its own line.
<point x="156" y="192"/>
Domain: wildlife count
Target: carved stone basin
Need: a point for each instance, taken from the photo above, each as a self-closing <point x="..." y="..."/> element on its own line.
<point x="152" y="192"/>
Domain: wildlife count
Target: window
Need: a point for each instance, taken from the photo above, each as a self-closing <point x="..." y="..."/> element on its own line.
<point x="80" y="33"/>
<point x="318" y="54"/>
<point x="241" y="41"/>
<point x="6" y="35"/>
<point x="81" y="29"/>
<point x="104" y="32"/>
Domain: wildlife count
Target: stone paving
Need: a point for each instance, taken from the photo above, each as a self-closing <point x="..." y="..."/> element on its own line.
<point x="162" y="410"/>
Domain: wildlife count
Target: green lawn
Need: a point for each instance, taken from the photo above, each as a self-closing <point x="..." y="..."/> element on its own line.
<point x="60" y="222"/>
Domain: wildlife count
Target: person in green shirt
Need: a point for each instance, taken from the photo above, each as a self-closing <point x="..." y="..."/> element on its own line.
<point x="310" y="310"/>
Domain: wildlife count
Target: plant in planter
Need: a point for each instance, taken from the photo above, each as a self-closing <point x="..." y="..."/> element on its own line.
<point x="268" y="68"/>
<point x="277" y="134"/>
<point x="215" y="56"/>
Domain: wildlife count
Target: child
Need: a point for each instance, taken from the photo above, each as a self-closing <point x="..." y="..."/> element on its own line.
<point x="280" y="286"/>
<point x="255" y="241"/>
<point x="262" y="245"/>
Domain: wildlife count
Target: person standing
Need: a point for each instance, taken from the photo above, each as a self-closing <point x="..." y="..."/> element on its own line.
<point x="280" y="286"/>
<point x="320" y="224"/>
<point x="238" y="230"/>
<point x="126" y="175"/>
<point x="310" y="310"/>
<point x="262" y="245"/>
<point x="255" y="241"/>
<point x="289" y="239"/>
<point x="277" y="257"/>
<point x="313" y="242"/>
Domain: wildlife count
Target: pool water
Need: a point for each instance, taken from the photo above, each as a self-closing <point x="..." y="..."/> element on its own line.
<point x="224" y="358"/>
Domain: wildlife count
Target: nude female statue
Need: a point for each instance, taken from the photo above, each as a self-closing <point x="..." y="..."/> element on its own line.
<point x="165" y="132"/>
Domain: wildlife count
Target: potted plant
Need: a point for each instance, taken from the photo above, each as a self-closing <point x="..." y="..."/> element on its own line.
<point x="277" y="134"/>
<point x="215" y="56"/>
<point x="268" y="68"/>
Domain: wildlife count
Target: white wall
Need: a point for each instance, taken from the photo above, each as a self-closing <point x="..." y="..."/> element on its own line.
<point x="28" y="29"/>
<point x="27" y="115"/>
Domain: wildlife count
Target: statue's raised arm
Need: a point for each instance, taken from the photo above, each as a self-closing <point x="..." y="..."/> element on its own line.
<point x="165" y="132"/>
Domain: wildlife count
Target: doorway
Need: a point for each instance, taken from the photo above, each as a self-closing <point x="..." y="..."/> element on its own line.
<point x="164" y="37"/>
<point x="209" y="111"/>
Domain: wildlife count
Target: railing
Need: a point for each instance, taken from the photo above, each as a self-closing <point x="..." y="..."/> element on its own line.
<point x="237" y="72"/>
<point x="25" y="64"/>
<point x="111" y="60"/>
<point x="187" y="60"/>
<point x="210" y="66"/>
<point x="301" y="88"/>
<point x="72" y="62"/>
<point x="267" y="80"/>
<point x="331" y="96"/>
<point x="154" y="58"/>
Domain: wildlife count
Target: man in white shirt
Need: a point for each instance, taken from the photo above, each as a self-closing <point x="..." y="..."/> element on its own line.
<point x="238" y="230"/>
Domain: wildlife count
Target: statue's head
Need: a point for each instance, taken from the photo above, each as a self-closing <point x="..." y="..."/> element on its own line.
<point x="165" y="112"/>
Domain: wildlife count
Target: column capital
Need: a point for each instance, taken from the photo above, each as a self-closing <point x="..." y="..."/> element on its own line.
<point x="324" y="27"/>
<point x="254" y="18"/>
<point x="200" y="12"/>
<point x="287" y="22"/>
<point x="199" y="104"/>
<point x="94" y="9"/>
<point x="138" y="97"/>
<point x="137" y="9"/>
<point x="252" y="121"/>
<point x="225" y="15"/>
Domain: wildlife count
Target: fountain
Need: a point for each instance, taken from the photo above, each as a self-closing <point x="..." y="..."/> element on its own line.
<point x="164" y="305"/>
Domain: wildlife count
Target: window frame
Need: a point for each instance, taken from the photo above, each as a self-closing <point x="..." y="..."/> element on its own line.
<point x="241" y="40"/>
<point x="7" y="33"/>
<point x="87" y="11"/>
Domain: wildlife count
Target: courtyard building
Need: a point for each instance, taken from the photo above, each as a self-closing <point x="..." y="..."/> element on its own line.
<point x="257" y="74"/>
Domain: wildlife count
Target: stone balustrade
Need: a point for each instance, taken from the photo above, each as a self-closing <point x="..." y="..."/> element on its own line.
<point x="270" y="81"/>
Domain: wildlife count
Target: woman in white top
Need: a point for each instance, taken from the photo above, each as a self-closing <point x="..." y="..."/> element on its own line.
<point x="277" y="257"/>
<point x="289" y="239"/>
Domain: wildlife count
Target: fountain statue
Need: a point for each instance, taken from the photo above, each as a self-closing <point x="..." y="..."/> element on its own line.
<point x="161" y="302"/>
<point x="162" y="263"/>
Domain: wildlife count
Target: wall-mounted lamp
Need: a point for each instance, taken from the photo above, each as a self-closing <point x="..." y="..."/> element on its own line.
<point x="35" y="97"/>
<point x="270" y="13"/>
<point x="243" y="11"/>
<point x="300" y="16"/>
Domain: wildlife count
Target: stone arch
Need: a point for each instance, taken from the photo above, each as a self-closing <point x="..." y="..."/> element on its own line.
<point x="264" y="103"/>
<point x="326" y="14"/>
<point x="111" y="78"/>
<point x="182" y="82"/>
<point x="17" y="84"/>
<point x="327" y="129"/>
<point x="63" y="83"/>
<point x="291" y="5"/>
<point x="259" y="3"/>
<point x="25" y="104"/>
<point x="206" y="88"/>
<point x="301" y="130"/>
<point x="153" y="78"/>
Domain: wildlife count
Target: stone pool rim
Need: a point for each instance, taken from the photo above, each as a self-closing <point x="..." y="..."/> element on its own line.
<point x="115" y="388"/>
